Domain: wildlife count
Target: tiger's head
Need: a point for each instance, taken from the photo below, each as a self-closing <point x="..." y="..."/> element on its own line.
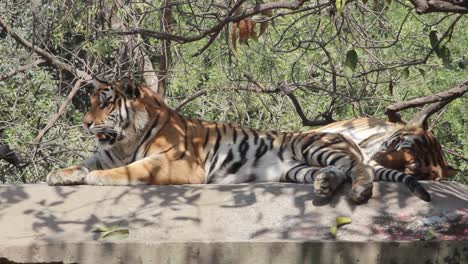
<point x="415" y="150"/>
<point x="118" y="112"/>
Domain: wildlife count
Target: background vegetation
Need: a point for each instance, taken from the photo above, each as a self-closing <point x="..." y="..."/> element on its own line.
<point x="339" y="63"/>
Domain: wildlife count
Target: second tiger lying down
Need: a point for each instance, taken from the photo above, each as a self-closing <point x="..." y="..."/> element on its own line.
<point x="142" y="141"/>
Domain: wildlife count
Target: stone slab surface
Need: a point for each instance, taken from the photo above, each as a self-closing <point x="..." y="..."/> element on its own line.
<point x="258" y="223"/>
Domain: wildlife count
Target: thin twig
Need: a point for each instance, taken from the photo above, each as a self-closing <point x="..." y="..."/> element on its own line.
<point x="189" y="99"/>
<point x="57" y="115"/>
<point x="20" y="69"/>
<point x="454" y="153"/>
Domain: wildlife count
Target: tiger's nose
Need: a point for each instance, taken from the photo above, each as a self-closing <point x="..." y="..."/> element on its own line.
<point x="87" y="121"/>
<point x="87" y="124"/>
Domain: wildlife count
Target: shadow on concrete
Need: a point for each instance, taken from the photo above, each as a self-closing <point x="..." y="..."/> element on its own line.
<point x="53" y="208"/>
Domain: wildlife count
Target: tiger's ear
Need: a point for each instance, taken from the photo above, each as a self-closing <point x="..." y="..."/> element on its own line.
<point x="419" y="120"/>
<point x="127" y="87"/>
<point x="98" y="84"/>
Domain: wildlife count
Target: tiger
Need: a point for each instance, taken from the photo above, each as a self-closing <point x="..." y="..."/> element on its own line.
<point x="407" y="147"/>
<point x="141" y="140"/>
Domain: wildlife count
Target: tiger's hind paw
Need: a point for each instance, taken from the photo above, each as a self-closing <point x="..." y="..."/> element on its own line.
<point x="362" y="192"/>
<point x="327" y="180"/>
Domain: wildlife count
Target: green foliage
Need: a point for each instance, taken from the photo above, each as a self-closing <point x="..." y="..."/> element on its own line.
<point x="298" y="49"/>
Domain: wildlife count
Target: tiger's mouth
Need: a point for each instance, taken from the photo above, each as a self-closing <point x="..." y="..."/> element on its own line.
<point x="106" y="136"/>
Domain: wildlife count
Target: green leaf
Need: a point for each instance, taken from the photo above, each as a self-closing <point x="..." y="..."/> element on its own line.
<point x="102" y="229"/>
<point x="405" y="74"/>
<point x="445" y="55"/>
<point x="114" y="232"/>
<point x="461" y="65"/>
<point x="333" y="230"/>
<point x="390" y="87"/>
<point x="422" y="72"/>
<point x="340" y="5"/>
<point x="434" y="42"/>
<point x="430" y="235"/>
<point x="343" y="220"/>
<point x="350" y="63"/>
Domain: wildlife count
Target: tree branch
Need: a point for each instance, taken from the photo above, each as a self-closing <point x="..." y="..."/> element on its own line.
<point x="20" y="69"/>
<point x="305" y="121"/>
<point x="219" y="26"/>
<point x="431" y="6"/>
<point x="440" y="99"/>
<point x="44" y="54"/>
<point x="189" y="99"/>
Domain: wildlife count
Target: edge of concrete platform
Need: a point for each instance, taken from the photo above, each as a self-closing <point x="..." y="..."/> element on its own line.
<point x="257" y="252"/>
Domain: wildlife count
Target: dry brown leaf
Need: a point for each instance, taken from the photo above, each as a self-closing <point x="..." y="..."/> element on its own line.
<point x="244" y="32"/>
<point x="234" y="35"/>
<point x="253" y="33"/>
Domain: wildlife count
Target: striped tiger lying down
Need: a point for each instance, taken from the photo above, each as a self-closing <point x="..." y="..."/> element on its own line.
<point x="142" y="141"/>
<point x="410" y="148"/>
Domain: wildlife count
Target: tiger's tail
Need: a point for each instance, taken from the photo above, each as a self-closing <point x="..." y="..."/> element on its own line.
<point x="389" y="175"/>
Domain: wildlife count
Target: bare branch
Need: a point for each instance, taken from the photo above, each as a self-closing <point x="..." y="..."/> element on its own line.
<point x="20" y="69"/>
<point x="440" y="99"/>
<point x="431" y="6"/>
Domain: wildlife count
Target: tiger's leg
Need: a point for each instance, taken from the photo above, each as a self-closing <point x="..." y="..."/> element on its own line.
<point x="330" y="149"/>
<point x="325" y="180"/>
<point x="150" y="170"/>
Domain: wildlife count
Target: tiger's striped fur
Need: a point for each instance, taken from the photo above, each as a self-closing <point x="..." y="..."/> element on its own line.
<point x="409" y="148"/>
<point x="142" y="141"/>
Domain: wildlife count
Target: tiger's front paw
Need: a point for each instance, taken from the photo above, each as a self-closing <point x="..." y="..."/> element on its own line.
<point x="69" y="176"/>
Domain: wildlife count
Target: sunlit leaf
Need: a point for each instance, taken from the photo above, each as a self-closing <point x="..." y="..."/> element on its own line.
<point x="343" y="220"/>
<point x="114" y="232"/>
<point x="340" y="5"/>
<point x="333" y="230"/>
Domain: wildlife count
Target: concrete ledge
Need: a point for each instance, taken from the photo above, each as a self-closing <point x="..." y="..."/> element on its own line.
<point x="260" y="223"/>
